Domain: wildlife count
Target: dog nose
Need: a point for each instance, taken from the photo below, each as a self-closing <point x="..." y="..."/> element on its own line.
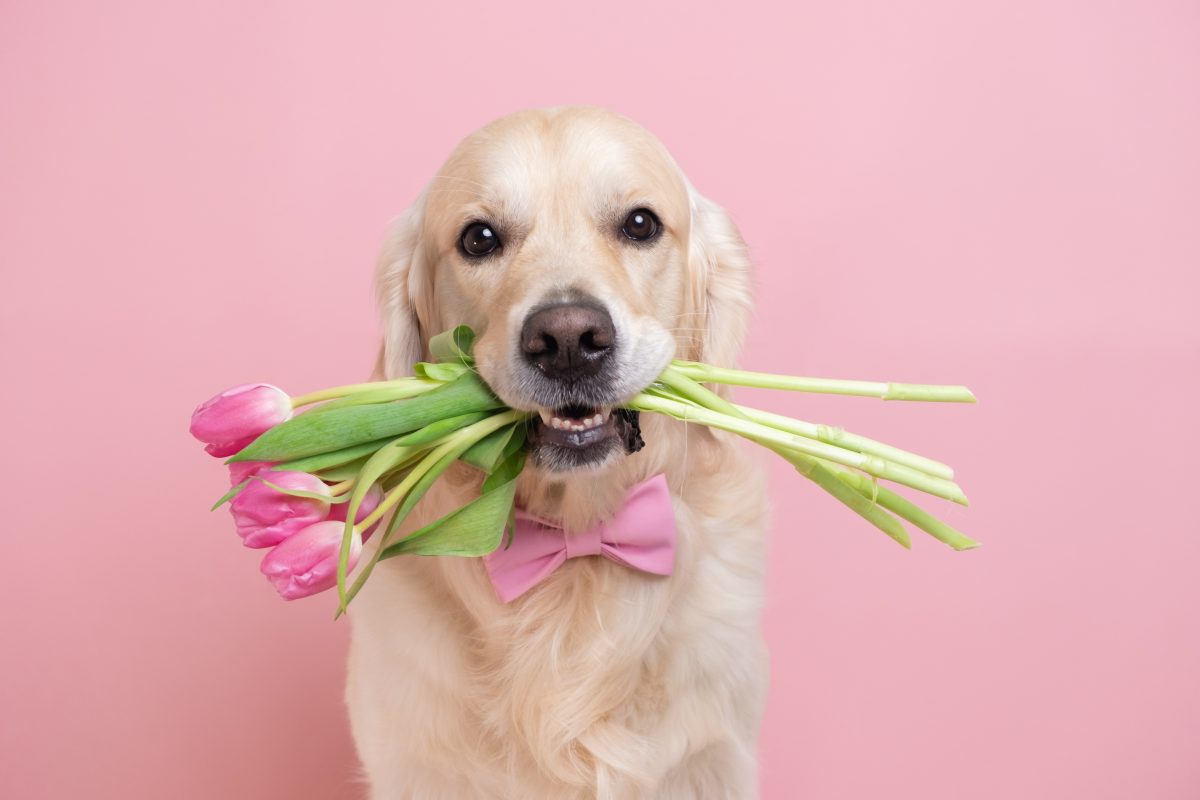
<point x="568" y="341"/>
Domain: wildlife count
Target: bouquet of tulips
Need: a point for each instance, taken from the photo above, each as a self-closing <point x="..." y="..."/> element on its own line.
<point x="314" y="486"/>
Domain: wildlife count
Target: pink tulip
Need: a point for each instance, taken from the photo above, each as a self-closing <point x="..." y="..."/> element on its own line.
<point x="238" y="416"/>
<point x="370" y="502"/>
<point x="241" y="470"/>
<point x="266" y="516"/>
<point x="307" y="562"/>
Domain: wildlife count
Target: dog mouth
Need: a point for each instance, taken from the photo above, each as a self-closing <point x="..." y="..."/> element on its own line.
<point x="576" y="436"/>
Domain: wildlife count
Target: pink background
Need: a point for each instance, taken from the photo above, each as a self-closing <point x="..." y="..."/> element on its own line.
<point x="1002" y="194"/>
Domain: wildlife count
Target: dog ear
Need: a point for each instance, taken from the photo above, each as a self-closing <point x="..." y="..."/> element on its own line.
<point x="720" y="262"/>
<point x="400" y="286"/>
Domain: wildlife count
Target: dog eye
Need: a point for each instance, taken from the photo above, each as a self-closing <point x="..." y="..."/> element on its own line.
<point x="641" y="224"/>
<point x="478" y="239"/>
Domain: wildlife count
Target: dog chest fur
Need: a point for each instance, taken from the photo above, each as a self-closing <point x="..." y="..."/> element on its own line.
<point x="600" y="682"/>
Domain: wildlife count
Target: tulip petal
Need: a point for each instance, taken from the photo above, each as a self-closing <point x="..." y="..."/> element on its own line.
<point x="306" y="563"/>
<point x="226" y="449"/>
<point x="239" y="415"/>
<point x="241" y="470"/>
<point x="265" y="516"/>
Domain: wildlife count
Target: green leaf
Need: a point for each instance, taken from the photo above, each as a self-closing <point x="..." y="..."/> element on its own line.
<point x="311" y="434"/>
<point x="387" y="458"/>
<point x="333" y="458"/>
<point x="473" y="530"/>
<point x="490" y="450"/>
<point x="514" y="443"/>
<point x="508" y="470"/>
<point x="393" y="478"/>
<point x="384" y="394"/>
<point x="436" y="430"/>
<point x="232" y="493"/>
<point x="445" y="372"/>
<point x="517" y="442"/>
<point x="453" y="345"/>
<point x="423" y="476"/>
<point x="432" y="471"/>
<point x="512" y="526"/>
<point x="301" y="493"/>
<point x="342" y="472"/>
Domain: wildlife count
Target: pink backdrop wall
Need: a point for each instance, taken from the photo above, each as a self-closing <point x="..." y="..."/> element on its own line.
<point x="1003" y="194"/>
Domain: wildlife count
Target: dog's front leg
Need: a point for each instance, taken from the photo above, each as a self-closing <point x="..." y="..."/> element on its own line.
<point x="406" y="677"/>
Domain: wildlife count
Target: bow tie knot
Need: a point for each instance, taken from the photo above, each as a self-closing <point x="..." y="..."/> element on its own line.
<point x="587" y="543"/>
<point x="641" y="535"/>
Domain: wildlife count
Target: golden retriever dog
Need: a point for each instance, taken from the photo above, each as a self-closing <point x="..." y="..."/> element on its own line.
<point x="572" y="243"/>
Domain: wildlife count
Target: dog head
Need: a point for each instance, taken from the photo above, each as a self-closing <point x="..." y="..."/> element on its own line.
<point x="572" y="243"/>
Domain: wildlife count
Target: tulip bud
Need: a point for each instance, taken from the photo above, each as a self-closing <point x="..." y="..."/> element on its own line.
<point x="370" y="502"/>
<point x="238" y="416"/>
<point x="306" y="563"/>
<point x="241" y="470"/>
<point x="266" y="516"/>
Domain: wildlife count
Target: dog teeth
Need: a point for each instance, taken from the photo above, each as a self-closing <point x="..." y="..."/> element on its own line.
<point x="569" y="424"/>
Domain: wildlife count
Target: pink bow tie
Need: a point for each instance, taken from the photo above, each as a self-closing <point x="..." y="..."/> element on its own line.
<point x="640" y="536"/>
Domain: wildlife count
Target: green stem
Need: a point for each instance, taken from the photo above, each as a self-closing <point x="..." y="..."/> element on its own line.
<point x="851" y="441"/>
<point x="905" y="509"/>
<point x="438" y="459"/>
<point x="468" y="435"/>
<point x="682" y="387"/>
<point x="372" y="470"/>
<point x="397" y="389"/>
<point x="416" y="483"/>
<point x="874" y="465"/>
<point x="821" y="474"/>
<point x="701" y="395"/>
<point x="884" y="391"/>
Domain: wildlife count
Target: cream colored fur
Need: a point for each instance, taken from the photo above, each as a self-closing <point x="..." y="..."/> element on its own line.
<point x="601" y="682"/>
